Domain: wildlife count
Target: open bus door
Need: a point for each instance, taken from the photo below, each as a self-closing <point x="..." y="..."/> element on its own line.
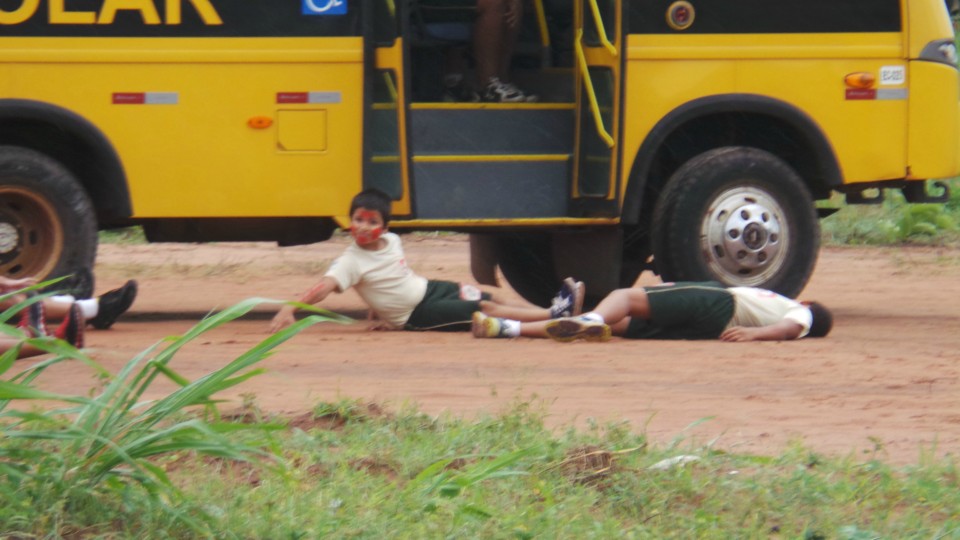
<point x="595" y="255"/>
<point x="386" y="158"/>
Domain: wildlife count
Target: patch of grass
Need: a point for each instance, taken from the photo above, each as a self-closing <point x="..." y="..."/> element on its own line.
<point x="126" y="235"/>
<point x="894" y="221"/>
<point x="111" y="465"/>
<point x="89" y="464"/>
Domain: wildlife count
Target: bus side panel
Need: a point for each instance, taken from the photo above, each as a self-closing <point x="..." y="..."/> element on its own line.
<point x="214" y="128"/>
<point x="934" y="129"/>
<point x="803" y="70"/>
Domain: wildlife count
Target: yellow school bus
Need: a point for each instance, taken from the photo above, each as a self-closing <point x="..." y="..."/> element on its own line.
<point x="690" y="137"/>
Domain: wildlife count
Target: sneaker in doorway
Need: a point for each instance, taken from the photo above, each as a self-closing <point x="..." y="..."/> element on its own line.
<point x="573" y="328"/>
<point x="485" y="326"/>
<point x="112" y="304"/>
<point x="569" y="300"/>
<point x="497" y="91"/>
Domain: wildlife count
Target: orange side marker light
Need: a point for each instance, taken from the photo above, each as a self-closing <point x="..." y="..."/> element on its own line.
<point x="260" y="122"/>
<point x="860" y="79"/>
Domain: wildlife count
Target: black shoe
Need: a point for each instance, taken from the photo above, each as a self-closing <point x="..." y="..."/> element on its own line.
<point x="112" y="304"/>
<point x="71" y="329"/>
<point x="460" y="92"/>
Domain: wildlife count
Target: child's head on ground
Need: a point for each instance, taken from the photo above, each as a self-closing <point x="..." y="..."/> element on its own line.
<point x="372" y="199"/>
<point x="822" y="320"/>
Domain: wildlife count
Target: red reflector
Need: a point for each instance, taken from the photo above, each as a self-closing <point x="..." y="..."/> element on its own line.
<point x="861" y="93"/>
<point x="292" y="97"/>
<point x="129" y="98"/>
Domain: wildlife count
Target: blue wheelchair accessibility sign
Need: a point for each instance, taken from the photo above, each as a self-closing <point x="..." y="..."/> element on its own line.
<point x="324" y="7"/>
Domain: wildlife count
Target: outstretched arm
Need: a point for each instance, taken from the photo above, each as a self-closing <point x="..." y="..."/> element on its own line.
<point x="781" y="331"/>
<point x="285" y="316"/>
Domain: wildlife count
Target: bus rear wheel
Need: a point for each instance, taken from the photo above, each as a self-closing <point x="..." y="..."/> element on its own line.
<point x="740" y="216"/>
<point x="47" y="223"/>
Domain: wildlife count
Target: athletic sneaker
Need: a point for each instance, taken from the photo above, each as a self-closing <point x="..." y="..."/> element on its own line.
<point x="572" y="328"/>
<point x="501" y="92"/>
<point x="569" y="300"/>
<point x="485" y="326"/>
<point x="112" y="304"/>
<point x="33" y="320"/>
<point x="71" y="329"/>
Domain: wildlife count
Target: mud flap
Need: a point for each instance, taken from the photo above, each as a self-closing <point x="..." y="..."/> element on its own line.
<point x="484" y="257"/>
<point x="594" y="257"/>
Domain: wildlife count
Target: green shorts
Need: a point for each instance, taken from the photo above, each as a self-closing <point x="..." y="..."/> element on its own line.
<point x="443" y="308"/>
<point x="684" y="310"/>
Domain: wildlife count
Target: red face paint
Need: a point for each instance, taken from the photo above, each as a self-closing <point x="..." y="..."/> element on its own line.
<point x="366" y="226"/>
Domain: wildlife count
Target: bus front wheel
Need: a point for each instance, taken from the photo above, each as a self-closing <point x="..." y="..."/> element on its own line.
<point x="47" y="223"/>
<point x="737" y="215"/>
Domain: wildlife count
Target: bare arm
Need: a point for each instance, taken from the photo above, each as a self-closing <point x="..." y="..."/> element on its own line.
<point x="285" y="316"/>
<point x="781" y="331"/>
<point x="10" y="284"/>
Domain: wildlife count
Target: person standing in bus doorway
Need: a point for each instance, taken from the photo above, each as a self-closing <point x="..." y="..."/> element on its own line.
<point x="494" y="39"/>
<point x="374" y="265"/>
<point x="496" y="29"/>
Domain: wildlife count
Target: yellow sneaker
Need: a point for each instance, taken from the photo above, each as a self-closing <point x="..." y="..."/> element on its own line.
<point x="484" y="326"/>
<point x="573" y="328"/>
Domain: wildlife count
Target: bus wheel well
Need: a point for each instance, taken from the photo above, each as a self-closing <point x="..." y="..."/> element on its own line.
<point x="79" y="147"/>
<point x="798" y="144"/>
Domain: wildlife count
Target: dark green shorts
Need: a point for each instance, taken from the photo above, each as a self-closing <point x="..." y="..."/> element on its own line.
<point x="443" y="309"/>
<point x="684" y="310"/>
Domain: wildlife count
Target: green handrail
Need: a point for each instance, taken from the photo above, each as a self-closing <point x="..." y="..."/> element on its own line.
<point x="588" y="85"/>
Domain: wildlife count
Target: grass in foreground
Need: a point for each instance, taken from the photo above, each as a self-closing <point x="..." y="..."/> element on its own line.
<point x="109" y="465"/>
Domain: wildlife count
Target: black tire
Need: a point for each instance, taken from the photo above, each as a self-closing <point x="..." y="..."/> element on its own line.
<point x="740" y="216"/>
<point x="526" y="260"/>
<point x="47" y="222"/>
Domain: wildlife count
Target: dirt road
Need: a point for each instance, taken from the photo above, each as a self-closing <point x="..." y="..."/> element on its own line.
<point x="886" y="380"/>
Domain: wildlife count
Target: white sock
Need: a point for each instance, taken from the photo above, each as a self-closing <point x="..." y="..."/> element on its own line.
<point x="511" y="328"/>
<point x="593" y="316"/>
<point x="62" y="298"/>
<point x="89" y="307"/>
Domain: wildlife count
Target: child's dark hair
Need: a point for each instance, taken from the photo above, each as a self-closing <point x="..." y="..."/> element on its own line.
<point x="372" y="199"/>
<point x="822" y="320"/>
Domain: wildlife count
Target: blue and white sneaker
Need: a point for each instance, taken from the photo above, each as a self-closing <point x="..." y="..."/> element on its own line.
<point x="569" y="300"/>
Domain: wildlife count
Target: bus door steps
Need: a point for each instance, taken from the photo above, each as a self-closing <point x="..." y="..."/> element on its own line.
<point x="492" y="160"/>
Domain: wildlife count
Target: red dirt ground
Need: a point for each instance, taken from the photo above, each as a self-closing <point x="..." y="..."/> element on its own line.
<point x="887" y="380"/>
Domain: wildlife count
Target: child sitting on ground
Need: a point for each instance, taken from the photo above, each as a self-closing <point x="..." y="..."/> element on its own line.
<point x="375" y="266"/>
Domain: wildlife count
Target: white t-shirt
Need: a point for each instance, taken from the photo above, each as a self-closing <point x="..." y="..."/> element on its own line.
<point x="382" y="278"/>
<point x="760" y="307"/>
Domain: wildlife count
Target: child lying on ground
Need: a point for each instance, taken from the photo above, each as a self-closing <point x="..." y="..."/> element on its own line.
<point x="685" y="310"/>
<point x="100" y="312"/>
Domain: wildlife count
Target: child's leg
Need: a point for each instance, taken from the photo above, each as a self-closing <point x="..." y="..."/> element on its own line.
<point x="25" y="352"/>
<point x="528" y="313"/>
<point x="498" y="296"/>
<point x="622" y="304"/>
